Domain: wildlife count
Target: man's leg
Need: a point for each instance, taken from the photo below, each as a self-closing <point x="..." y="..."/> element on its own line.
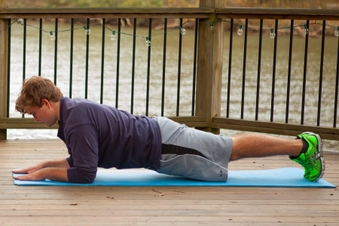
<point x="193" y="153"/>
<point x="260" y="145"/>
<point x="306" y="150"/>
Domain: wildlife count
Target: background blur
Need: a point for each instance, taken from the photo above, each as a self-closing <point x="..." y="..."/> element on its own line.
<point x="321" y="4"/>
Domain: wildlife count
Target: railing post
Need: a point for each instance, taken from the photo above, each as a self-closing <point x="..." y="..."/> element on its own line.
<point x="3" y="69"/>
<point x="209" y="66"/>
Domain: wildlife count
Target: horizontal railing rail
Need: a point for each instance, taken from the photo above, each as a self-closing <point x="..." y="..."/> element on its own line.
<point x="107" y="13"/>
<point x="269" y="13"/>
<point x="202" y="12"/>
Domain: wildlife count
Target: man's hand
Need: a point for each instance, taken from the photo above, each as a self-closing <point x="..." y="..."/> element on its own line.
<point x="35" y="175"/>
<point x="51" y="173"/>
<point x="30" y="169"/>
<point x="52" y="170"/>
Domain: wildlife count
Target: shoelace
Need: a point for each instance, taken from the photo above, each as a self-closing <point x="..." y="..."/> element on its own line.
<point x="316" y="156"/>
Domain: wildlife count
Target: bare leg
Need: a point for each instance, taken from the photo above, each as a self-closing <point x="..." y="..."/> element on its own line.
<point x="259" y="145"/>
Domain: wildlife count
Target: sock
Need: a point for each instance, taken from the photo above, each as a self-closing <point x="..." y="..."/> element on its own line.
<point x="305" y="146"/>
<point x="303" y="149"/>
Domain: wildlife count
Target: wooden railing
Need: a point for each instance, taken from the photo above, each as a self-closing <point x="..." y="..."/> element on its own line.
<point x="209" y="62"/>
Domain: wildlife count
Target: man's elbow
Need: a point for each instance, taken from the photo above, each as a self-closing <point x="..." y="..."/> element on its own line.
<point x="88" y="179"/>
<point x="83" y="177"/>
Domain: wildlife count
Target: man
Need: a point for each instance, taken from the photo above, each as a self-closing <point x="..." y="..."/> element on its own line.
<point x="101" y="136"/>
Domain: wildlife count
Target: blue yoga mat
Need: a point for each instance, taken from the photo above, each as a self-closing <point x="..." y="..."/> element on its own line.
<point x="282" y="177"/>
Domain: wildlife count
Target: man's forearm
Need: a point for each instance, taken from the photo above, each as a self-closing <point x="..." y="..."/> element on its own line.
<point x="60" y="163"/>
<point x="55" y="174"/>
<point x="55" y="170"/>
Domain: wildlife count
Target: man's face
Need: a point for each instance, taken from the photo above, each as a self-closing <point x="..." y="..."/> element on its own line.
<point x="44" y="114"/>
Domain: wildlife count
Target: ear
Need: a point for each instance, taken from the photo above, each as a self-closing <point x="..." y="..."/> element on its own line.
<point x="45" y="101"/>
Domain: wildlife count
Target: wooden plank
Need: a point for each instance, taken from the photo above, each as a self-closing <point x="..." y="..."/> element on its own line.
<point x="107" y="13"/>
<point x="203" y="12"/>
<point x="150" y="219"/>
<point x="192" y="121"/>
<point x="4" y="80"/>
<point x="273" y="127"/>
<point x="274" y="13"/>
<point x="22" y="123"/>
<point x="5" y="204"/>
<point x="209" y="66"/>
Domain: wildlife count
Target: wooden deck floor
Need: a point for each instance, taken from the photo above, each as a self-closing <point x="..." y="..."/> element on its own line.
<point x="160" y="205"/>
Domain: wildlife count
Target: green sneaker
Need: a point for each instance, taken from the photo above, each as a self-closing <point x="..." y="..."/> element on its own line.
<point x="312" y="160"/>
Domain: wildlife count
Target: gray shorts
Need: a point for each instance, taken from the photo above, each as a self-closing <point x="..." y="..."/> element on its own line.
<point x="210" y="162"/>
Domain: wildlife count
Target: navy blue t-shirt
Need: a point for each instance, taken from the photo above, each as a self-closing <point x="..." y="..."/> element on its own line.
<point x="97" y="135"/>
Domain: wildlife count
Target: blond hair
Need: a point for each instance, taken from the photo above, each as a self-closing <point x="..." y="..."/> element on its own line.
<point x="34" y="90"/>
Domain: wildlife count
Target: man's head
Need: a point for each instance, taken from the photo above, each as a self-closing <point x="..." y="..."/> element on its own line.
<point x="39" y="97"/>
